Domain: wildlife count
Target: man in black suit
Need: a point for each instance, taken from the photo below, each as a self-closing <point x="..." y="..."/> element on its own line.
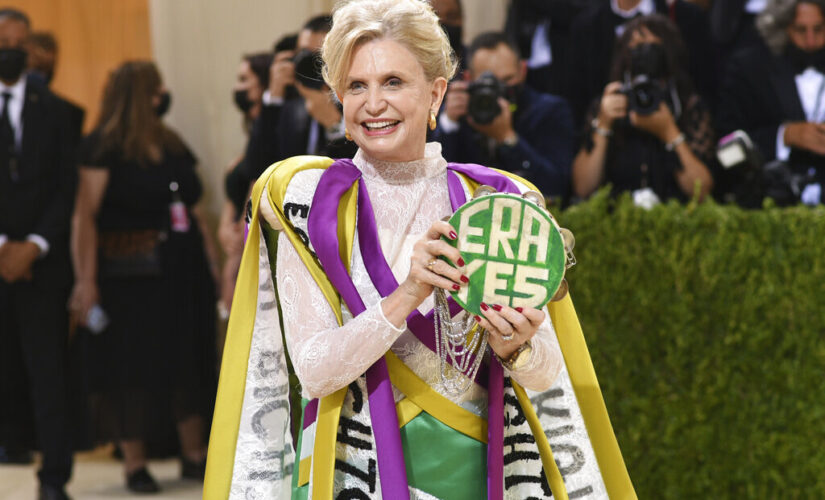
<point x="42" y="52"/>
<point x="777" y="96"/>
<point x="532" y="135"/>
<point x="37" y="187"/>
<point x="593" y="34"/>
<point x="296" y="119"/>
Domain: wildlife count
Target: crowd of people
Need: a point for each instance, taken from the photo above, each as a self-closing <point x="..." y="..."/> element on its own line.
<point x="666" y="100"/>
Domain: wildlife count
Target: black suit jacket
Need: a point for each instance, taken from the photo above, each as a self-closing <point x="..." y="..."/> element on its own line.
<point x="282" y="131"/>
<point x="41" y="200"/>
<point x="758" y="94"/>
<point x="543" y="153"/>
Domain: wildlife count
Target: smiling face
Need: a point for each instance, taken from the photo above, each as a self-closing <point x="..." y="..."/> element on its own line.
<point x="387" y="101"/>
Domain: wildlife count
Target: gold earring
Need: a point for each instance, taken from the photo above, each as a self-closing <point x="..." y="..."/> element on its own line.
<point x="433" y="123"/>
<point x="346" y="134"/>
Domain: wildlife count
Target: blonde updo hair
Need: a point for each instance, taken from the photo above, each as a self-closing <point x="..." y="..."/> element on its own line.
<point x="412" y="23"/>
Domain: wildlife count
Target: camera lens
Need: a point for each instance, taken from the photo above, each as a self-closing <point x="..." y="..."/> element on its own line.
<point x="308" y="69"/>
<point x="484" y="93"/>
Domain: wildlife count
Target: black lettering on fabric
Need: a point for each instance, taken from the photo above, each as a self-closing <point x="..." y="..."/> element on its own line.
<point x="581" y="492"/>
<point x="541" y="479"/>
<point x="517" y="418"/>
<point x="511" y="454"/>
<point x="352" y="494"/>
<point x="293" y="209"/>
<point x="576" y="458"/>
<point x="357" y="397"/>
<point x="369" y="477"/>
<point x="542" y="409"/>
<point x="347" y="425"/>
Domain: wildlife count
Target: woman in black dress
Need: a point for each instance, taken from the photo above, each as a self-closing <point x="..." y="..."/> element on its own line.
<point x="656" y="149"/>
<point x="139" y="254"/>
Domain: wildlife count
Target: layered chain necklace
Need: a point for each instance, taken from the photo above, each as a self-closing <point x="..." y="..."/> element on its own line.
<point x="461" y="341"/>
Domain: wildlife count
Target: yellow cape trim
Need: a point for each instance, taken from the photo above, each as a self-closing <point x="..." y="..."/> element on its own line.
<point x="589" y="395"/>
<point x="420" y="393"/>
<point x="406" y="410"/>
<point x="232" y="382"/>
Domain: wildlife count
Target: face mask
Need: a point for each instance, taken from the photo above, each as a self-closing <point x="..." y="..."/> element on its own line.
<point x="12" y="62"/>
<point x="648" y="59"/>
<point x="803" y="59"/>
<point x="454" y="34"/>
<point x="165" y="103"/>
<point x="242" y="101"/>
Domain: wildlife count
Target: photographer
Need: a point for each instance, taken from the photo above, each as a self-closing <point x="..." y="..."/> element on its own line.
<point x="299" y="115"/>
<point x="650" y="133"/>
<point x="497" y="120"/>
<point x="776" y="97"/>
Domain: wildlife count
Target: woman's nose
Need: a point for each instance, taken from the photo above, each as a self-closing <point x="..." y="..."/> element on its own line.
<point x="376" y="104"/>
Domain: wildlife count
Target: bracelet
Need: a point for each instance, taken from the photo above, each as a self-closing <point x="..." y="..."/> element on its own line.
<point x="604" y="132"/>
<point x="670" y="146"/>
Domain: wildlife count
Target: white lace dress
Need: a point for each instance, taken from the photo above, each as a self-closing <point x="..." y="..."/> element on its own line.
<point x="406" y="198"/>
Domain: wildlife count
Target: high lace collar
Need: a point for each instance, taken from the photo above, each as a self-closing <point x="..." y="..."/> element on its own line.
<point x="402" y="172"/>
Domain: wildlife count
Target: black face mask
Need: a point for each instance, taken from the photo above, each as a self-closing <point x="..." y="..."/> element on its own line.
<point x="803" y="59"/>
<point x="648" y="59"/>
<point x="165" y="103"/>
<point x="454" y="34"/>
<point x="242" y="101"/>
<point x="12" y="63"/>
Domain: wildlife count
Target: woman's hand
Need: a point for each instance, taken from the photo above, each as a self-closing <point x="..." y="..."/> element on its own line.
<point x="659" y="123"/>
<point x="509" y="328"/>
<point x="85" y="294"/>
<point x="427" y="270"/>
<point x="613" y="105"/>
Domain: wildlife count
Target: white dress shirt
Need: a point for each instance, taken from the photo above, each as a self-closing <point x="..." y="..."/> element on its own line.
<point x="810" y="85"/>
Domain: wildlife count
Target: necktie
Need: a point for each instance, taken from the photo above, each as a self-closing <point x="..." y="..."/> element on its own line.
<point x="7" y="146"/>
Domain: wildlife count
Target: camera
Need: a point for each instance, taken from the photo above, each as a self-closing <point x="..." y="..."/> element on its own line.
<point x="484" y="92"/>
<point x="308" y="66"/>
<point x="644" y="94"/>
<point x="751" y="179"/>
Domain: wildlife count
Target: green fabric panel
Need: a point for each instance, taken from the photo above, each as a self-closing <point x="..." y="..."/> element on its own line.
<point x="302" y="492"/>
<point x="444" y="462"/>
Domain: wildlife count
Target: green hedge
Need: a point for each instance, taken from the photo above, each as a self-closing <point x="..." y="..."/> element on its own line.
<point x="706" y="325"/>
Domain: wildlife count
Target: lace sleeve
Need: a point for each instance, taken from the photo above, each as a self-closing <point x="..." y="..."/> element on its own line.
<point x="326" y="357"/>
<point x="698" y="128"/>
<point x="545" y="362"/>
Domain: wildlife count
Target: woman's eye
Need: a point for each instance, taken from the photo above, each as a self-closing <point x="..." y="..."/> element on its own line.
<point x="356" y="86"/>
<point x="394" y="82"/>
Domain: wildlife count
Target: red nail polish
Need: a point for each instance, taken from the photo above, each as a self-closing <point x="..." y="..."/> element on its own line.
<point x="460" y="262"/>
<point x="478" y="320"/>
<point x="484" y="306"/>
<point x="520" y="309"/>
<point x="496" y="307"/>
<point x="456" y="287"/>
<point x="465" y="279"/>
<point x="453" y="235"/>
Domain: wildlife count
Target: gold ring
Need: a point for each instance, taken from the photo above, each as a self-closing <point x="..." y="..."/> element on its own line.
<point x="431" y="263"/>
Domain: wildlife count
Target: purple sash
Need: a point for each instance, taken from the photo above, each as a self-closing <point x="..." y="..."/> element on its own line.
<point x="323" y="233"/>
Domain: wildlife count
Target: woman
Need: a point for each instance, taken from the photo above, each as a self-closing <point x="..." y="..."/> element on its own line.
<point x="355" y="325"/>
<point x="658" y="153"/>
<point x="253" y="79"/>
<point x="139" y="253"/>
